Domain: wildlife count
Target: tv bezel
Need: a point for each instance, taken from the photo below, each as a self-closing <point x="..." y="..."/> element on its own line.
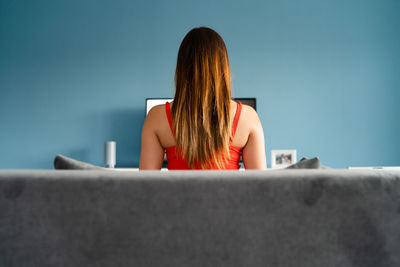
<point x="235" y="99"/>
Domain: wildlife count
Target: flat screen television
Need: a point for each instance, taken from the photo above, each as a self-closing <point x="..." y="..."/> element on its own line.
<point x="151" y="102"/>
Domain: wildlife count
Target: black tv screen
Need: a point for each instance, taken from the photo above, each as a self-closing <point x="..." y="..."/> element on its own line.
<point x="151" y="102"/>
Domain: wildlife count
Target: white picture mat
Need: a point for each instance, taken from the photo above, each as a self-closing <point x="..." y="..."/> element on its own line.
<point x="275" y="153"/>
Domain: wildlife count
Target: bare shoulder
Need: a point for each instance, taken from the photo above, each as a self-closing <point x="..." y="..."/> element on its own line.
<point x="155" y="116"/>
<point x="249" y="110"/>
<point x="156" y="111"/>
<point x="250" y="115"/>
<point x="254" y="150"/>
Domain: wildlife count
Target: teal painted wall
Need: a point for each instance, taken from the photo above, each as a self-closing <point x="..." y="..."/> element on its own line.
<point x="75" y="73"/>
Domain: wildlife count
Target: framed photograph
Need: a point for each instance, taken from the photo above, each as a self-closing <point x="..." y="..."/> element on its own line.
<point x="282" y="158"/>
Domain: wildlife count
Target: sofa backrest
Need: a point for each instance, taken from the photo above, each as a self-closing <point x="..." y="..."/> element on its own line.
<point x="200" y="218"/>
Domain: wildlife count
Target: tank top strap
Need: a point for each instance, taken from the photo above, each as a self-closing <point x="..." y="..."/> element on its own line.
<point x="168" y="111"/>
<point x="236" y="119"/>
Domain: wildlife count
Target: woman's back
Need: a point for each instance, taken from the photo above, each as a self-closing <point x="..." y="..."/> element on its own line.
<point x="177" y="162"/>
<point x="248" y="137"/>
<point x="167" y="138"/>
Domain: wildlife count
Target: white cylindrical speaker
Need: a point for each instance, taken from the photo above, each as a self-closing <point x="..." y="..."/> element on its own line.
<point x="109" y="154"/>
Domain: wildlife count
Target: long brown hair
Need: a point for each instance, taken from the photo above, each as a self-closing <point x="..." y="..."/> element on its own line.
<point x="201" y="108"/>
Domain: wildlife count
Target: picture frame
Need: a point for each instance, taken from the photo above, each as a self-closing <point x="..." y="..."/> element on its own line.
<point x="283" y="158"/>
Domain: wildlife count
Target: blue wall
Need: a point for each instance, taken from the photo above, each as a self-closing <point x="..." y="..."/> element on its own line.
<point x="75" y="73"/>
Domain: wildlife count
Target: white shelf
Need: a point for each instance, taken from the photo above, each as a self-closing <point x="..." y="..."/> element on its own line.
<point x="383" y="168"/>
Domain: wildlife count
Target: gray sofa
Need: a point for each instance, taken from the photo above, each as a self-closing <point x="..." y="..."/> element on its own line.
<point x="199" y="218"/>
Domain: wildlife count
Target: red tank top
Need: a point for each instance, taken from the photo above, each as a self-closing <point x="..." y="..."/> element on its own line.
<point x="176" y="162"/>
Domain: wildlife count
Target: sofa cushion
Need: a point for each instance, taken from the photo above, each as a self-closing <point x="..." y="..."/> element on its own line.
<point x="62" y="162"/>
<point x="306" y="163"/>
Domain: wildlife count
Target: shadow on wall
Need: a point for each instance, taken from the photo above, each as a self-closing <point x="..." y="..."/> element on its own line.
<point x="125" y="127"/>
<point x="122" y="125"/>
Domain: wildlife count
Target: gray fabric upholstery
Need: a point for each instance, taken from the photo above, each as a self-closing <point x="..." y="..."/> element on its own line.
<point x="306" y="163"/>
<point x="62" y="162"/>
<point x="310" y="218"/>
